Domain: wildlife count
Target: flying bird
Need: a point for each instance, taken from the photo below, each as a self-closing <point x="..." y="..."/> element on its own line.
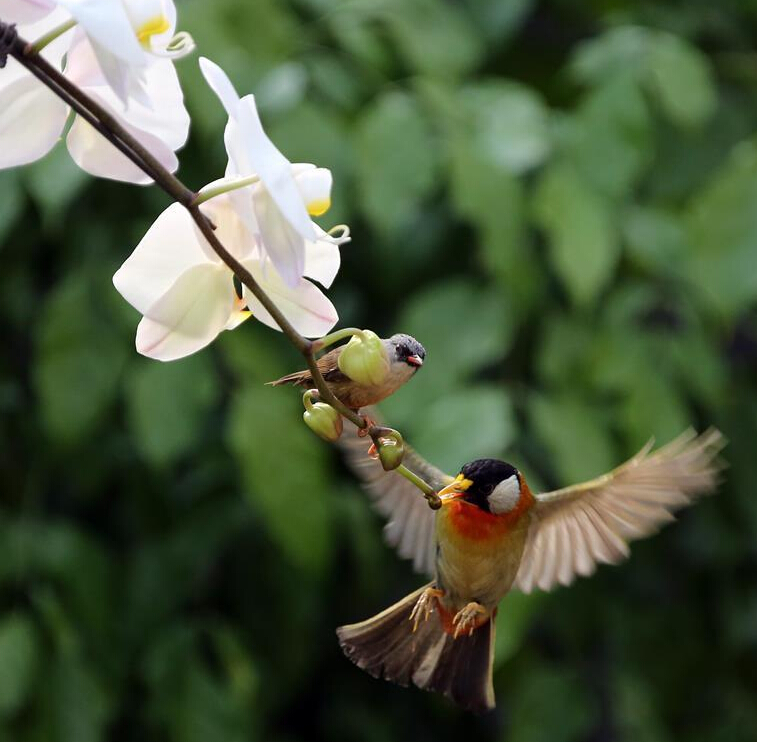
<point x="492" y="534"/>
<point x="406" y="356"/>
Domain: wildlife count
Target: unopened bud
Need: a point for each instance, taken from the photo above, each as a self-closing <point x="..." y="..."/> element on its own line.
<point x="365" y="359"/>
<point x="322" y="419"/>
<point x="391" y="451"/>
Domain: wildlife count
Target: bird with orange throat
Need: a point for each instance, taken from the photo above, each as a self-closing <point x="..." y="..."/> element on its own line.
<point x="493" y="534"/>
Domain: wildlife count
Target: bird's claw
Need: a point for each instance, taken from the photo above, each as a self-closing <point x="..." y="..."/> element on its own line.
<point x="468" y="619"/>
<point x="369" y="423"/>
<point x="424" y="606"/>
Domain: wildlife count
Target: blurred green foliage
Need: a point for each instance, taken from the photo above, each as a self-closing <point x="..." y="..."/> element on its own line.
<point x="560" y="200"/>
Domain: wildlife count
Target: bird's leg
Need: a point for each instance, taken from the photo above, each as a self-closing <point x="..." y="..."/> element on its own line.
<point x="369" y="423"/>
<point x="424" y="607"/>
<point x="468" y="619"/>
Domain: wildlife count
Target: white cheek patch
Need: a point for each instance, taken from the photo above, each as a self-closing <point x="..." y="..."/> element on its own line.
<point x="505" y="495"/>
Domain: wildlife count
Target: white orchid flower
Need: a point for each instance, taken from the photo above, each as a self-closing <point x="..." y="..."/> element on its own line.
<point x="32" y="118"/>
<point x="126" y="36"/>
<point x="277" y="207"/>
<point x="187" y="296"/>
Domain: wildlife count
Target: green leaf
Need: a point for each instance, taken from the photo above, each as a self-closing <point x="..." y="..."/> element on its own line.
<point x="656" y="239"/>
<point x="584" y="246"/>
<point x="609" y="139"/>
<point x="396" y="160"/>
<point x="683" y="81"/>
<point x="19" y="656"/>
<point x="436" y="39"/>
<point x="551" y="703"/>
<point x="499" y="21"/>
<point x="464" y="425"/>
<point x="11" y="201"/>
<point x="513" y="621"/>
<point x="721" y="226"/>
<point x="439" y="317"/>
<point x="574" y="435"/>
<point x="284" y="474"/>
<point x="79" y="359"/>
<point x="167" y="404"/>
<point x="508" y="123"/>
<point x="54" y="182"/>
<point x="610" y="55"/>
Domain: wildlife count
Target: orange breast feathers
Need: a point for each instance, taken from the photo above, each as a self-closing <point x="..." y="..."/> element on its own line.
<point x="469" y="521"/>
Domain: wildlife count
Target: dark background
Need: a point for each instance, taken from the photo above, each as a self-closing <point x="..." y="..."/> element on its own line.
<point x="560" y="200"/>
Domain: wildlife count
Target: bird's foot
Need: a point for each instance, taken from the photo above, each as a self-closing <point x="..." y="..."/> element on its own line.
<point x="468" y="619"/>
<point x="369" y="423"/>
<point x="424" y="607"/>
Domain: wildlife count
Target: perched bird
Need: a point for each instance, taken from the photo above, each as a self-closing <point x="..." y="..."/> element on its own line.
<point x="406" y="356"/>
<point x="491" y="535"/>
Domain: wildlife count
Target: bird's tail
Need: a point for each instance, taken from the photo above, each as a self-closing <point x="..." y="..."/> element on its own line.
<point x="298" y="379"/>
<point x="429" y="657"/>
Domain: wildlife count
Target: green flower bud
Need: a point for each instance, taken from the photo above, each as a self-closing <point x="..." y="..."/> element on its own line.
<point x="391" y="450"/>
<point x="365" y="359"/>
<point x="322" y="419"/>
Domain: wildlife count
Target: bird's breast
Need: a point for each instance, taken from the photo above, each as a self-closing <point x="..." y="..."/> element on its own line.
<point x="478" y="553"/>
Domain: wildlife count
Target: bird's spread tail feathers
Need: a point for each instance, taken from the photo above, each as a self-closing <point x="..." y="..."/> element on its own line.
<point x="386" y="646"/>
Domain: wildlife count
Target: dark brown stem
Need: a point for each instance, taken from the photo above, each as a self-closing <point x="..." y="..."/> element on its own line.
<point x="107" y="125"/>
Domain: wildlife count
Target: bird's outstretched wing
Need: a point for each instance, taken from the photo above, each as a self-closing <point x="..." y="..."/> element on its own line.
<point x="410" y="522"/>
<point x="574" y="528"/>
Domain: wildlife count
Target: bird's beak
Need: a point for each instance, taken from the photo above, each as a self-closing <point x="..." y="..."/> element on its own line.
<point x="415" y="360"/>
<point x="454" y="489"/>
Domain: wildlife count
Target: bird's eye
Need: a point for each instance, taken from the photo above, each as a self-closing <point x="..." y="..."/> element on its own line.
<point x="487" y="489"/>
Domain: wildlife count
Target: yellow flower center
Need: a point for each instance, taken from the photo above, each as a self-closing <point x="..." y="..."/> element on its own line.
<point x="153" y="27"/>
<point x="316" y="208"/>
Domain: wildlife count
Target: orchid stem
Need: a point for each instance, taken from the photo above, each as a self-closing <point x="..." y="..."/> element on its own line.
<point x="430" y="493"/>
<point x="335" y="337"/>
<point x="51" y="35"/>
<point x="207" y="193"/>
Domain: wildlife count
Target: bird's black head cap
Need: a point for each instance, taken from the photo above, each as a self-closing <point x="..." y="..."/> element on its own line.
<point x="485" y="475"/>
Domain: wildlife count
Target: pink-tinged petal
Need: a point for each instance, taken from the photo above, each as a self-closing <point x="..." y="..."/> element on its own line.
<point x="305" y="305"/>
<point x="119" y="55"/>
<point x="95" y="154"/>
<point x="283" y="244"/>
<point x="274" y="169"/>
<point x="31" y="121"/>
<point x="314" y="184"/>
<point x="164" y="116"/>
<point x="220" y="84"/>
<point x="322" y="259"/>
<point x="189" y="316"/>
<point x="25" y="11"/>
<point x="171" y="247"/>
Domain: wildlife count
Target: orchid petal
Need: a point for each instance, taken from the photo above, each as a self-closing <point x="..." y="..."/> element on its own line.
<point x="220" y="84"/>
<point x="282" y="243"/>
<point x="314" y="184"/>
<point x="322" y="259"/>
<point x="305" y="306"/>
<point x="25" y="11"/>
<point x="171" y="247"/>
<point x="31" y="121"/>
<point x="190" y="316"/>
<point x="274" y="170"/>
<point x="95" y="154"/>
<point x="108" y="26"/>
